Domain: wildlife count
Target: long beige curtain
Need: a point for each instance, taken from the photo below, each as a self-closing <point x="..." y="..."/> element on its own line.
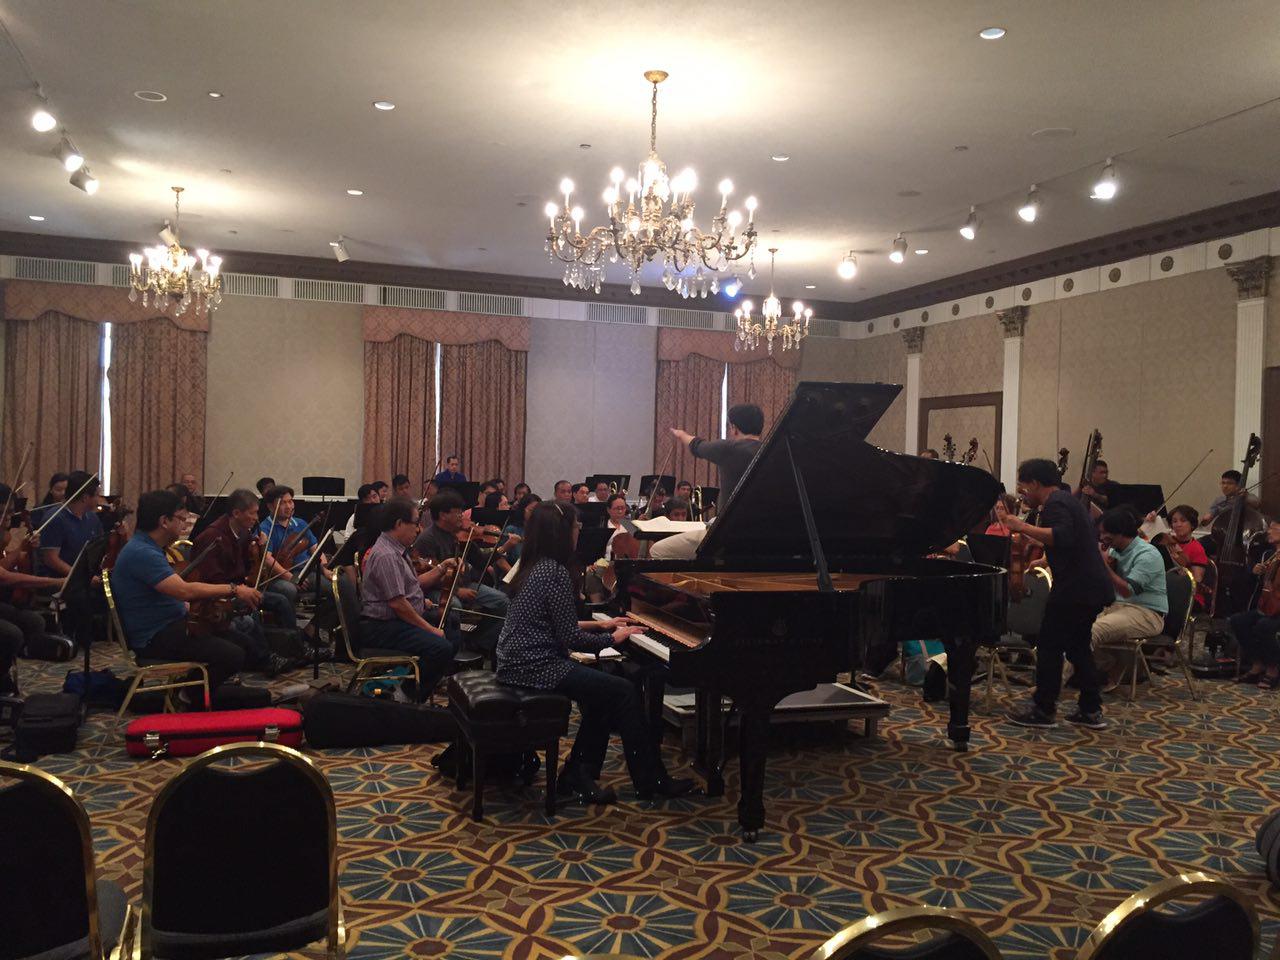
<point x="399" y="408"/>
<point x="688" y="397"/>
<point x="52" y="398"/>
<point x="765" y="383"/>
<point x="159" y="384"/>
<point x="482" y="415"/>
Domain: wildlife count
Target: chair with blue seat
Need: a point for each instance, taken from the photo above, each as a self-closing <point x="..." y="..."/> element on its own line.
<point x="52" y="905"/>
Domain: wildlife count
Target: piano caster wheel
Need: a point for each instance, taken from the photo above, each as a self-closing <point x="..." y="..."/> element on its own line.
<point x="960" y="746"/>
<point x="750" y="836"/>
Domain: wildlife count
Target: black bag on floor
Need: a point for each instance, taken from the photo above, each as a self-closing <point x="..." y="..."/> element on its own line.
<point x="240" y="696"/>
<point x="48" y="724"/>
<point x="346" y="720"/>
<point x="51" y="646"/>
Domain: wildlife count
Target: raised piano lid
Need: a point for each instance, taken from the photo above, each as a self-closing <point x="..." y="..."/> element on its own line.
<point x="866" y="501"/>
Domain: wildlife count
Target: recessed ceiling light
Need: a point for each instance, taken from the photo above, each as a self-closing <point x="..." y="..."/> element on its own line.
<point x="781" y="157"/>
<point x="214" y="95"/>
<point x="384" y="105"/>
<point x="960" y="147"/>
<point x="151" y="96"/>
<point x="991" y="33"/>
<point x="36" y="217"/>
<point x="908" y="193"/>
<point x="921" y="252"/>
<point x="355" y="193"/>
<point x="810" y="286"/>
<point x="584" y="146"/>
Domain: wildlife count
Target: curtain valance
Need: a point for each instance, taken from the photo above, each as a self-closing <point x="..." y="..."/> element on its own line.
<point x="383" y="324"/>
<point x="32" y="299"/>
<point x="677" y="344"/>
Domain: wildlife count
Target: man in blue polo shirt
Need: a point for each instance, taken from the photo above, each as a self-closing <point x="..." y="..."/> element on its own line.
<point x="74" y="526"/>
<point x="152" y="600"/>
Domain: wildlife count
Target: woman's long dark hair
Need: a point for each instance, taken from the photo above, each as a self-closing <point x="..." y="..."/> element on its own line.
<point x="522" y="507"/>
<point x="548" y="534"/>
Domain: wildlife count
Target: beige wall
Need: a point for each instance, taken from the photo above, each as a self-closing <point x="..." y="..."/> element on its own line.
<point x="286" y="392"/>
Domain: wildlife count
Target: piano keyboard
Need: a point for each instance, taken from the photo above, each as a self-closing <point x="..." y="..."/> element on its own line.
<point x="651" y="643"/>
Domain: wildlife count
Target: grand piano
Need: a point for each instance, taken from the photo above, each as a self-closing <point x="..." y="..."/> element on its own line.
<point x="820" y="556"/>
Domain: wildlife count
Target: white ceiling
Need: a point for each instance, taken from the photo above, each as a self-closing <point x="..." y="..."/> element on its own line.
<point x="870" y="99"/>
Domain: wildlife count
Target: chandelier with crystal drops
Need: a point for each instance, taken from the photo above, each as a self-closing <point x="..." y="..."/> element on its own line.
<point x="771" y="325"/>
<point x="168" y="275"/>
<point x="651" y="220"/>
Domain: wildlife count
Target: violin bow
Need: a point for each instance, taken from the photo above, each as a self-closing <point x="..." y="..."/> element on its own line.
<point x="209" y="506"/>
<point x="1184" y="480"/>
<point x="444" y="609"/>
<point x="62" y="506"/>
<point x="266" y="547"/>
<point x="301" y="563"/>
<point x="494" y="552"/>
<point x="196" y="561"/>
<point x="648" y="507"/>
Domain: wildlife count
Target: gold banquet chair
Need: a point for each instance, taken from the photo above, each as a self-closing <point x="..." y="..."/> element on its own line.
<point x="1223" y="925"/>
<point x="956" y="938"/>
<point x="371" y="663"/>
<point x="51" y="902"/>
<point x="171" y="675"/>
<point x="241" y="859"/>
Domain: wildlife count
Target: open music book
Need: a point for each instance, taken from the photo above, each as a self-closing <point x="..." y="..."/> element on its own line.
<point x="1155" y="527"/>
<point x="665" y="525"/>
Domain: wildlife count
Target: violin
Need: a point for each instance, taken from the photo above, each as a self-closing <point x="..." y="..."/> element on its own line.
<point x="485" y="536"/>
<point x="295" y="543"/>
<point x="948" y="448"/>
<point x="210" y="616"/>
<point x="114" y="514"/>
<point x="1268" y="603"/>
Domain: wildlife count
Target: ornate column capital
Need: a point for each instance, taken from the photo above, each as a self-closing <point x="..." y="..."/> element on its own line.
<point x="1251" y="277"/>
<point x="1013" y="322"/>
<point x="913" y="337"/>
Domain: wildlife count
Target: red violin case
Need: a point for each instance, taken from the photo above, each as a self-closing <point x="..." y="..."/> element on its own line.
<point x="188" y="734"/>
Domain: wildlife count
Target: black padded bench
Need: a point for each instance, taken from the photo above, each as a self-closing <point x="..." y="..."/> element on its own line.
<point x="496" y="718"/>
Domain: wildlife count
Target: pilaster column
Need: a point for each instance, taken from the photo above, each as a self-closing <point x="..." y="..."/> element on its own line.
<point x="914" y="339"/>
<point x="1251" y="279"/>
<point x="1013" y="323"/>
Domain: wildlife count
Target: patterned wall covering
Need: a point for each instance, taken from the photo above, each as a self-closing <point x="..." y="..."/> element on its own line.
<point x="1151" y="365"/>
<point x="963" y="423"/>
<point x="286" y="392"/>
<point x="591" y="401"/>
<point x="964" y="356"/>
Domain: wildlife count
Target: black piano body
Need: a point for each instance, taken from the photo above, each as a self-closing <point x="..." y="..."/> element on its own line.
<point x="820" y="556"/>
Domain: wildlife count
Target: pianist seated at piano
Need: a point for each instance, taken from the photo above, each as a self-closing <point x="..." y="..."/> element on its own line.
<point x="534" y="651"/>
<point x="677" y="509"/>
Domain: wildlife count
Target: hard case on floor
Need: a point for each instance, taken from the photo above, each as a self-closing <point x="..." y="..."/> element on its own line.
<point x="345" y="720"/>
<point x="188" y="734"/>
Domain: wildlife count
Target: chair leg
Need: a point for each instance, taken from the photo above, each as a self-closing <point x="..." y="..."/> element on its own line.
<point x="553" y="758"/>
<point x="459" y="771"/>
<point x="477" y="795"/>
<point x="128" y="697"/>
<point x="1185" y="663"/>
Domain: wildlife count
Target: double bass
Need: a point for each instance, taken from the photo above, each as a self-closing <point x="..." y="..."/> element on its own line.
<point x="1235" y="574"/>
<point x="1092" y="454"/>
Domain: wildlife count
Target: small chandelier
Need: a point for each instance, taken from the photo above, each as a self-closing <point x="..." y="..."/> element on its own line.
<point x="653" y="224"/>
<point x="167" y="274"/>
<point x="771" y="325"/>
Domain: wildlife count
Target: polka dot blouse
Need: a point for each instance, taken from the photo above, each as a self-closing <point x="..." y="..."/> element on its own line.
<point x="541" y="629"/>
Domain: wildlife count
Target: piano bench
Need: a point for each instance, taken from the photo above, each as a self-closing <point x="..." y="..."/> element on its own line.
<point x="495" y="718"/>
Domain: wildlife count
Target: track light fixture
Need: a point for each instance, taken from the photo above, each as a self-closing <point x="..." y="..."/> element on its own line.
<point x="340" y="249"/>
<point x="899" y="252"/>
<point x="847" y="269"/>
<point x="1106" y="187"/>
<point x="1031" y="208"/>
<point x="970" y="228"/>
<point x="70" y="158"/>
<point x="43" y="120"/>
<point x="84" y="180"/>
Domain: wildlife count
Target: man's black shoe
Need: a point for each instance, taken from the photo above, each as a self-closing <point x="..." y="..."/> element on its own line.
<point x="1094" y="721"/>
<point x="276" y="665"/>
<point x="1031" y="716"/>
<point x="666" y="788"/>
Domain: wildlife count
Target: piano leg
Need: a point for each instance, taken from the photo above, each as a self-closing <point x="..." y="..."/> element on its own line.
<point x="753" y="749"/>
<point x="962" y="655"/>
<point x="709" y="753"/>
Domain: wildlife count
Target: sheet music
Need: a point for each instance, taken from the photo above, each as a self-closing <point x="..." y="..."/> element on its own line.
<point x="666" y="525"/>
<point x="1154" y="527"/>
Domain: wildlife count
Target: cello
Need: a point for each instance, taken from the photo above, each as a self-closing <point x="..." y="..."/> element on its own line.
<point x="1235" y="575"/>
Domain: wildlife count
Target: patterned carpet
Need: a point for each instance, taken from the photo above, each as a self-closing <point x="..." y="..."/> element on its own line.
<point x="1034" y="834"/>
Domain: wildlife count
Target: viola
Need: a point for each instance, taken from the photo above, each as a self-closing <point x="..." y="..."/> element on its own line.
<point x="485" y="536"/>
<point x="209" y="616"/>
<point x="1269" y="594"/>
<point x="114" y="515"/>
<point x="23" y="562"/>
<point x="294" y="544"/>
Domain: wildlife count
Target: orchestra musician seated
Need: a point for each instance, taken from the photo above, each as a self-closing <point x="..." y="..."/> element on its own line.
<point x="452" y="472"/>
<point x="55" y="494"/>
<point x="74" y="526"/>
<point x="440" y="542"/>
<point x="1184" y="549"/>
<point x="1100" y="489"/>
<point x="152" y="600"/>
<point x="237" y="556"/>
<point x="487" y="489"/>
<point x="381" y="490"/>
<point x="581" y="493"/>
<point x="188" y="481"/>
<point x="562" y="491"/>
<point x="393" y="607"/>
<point x="519" y="518"/>
<point x="1229" y="484"/>
<point x="677" y="509"/>
<point x="1137" y="575"/>
<point x="364" y="494"/>
<point x="1257" y="631"/>
<point x="191" y="508"/>
<point x="601" y="493"/>
<point x="18" y="627"/>
<point x="283" y="530"/>
<point x="520" y="491"/>
<point x="997" y="529"/>
<point x="534" y="651"/>
<point x="400" y="485"/>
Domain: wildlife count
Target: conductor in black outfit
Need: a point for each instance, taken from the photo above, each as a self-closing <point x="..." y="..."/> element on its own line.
<point x="1081" y="588"/>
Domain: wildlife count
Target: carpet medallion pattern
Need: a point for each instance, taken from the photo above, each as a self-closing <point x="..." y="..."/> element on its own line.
<point x="1034" y="834"/>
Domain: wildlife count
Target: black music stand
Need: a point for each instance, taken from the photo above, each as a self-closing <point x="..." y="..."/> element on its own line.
<point x="468" y="490"/>
<point x="616" y="481"/>
<point x="646" y="484"/>
<point x="1142" y="497"/>
<point x="591" y="544"/>
<point x="77" y="594"/>
<point x="710" y="498"/>
<point x="592" y="514"/>
<point x="324" y="487"/>
<point x="489" y="516"/>
<point x="989" y="549"/>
